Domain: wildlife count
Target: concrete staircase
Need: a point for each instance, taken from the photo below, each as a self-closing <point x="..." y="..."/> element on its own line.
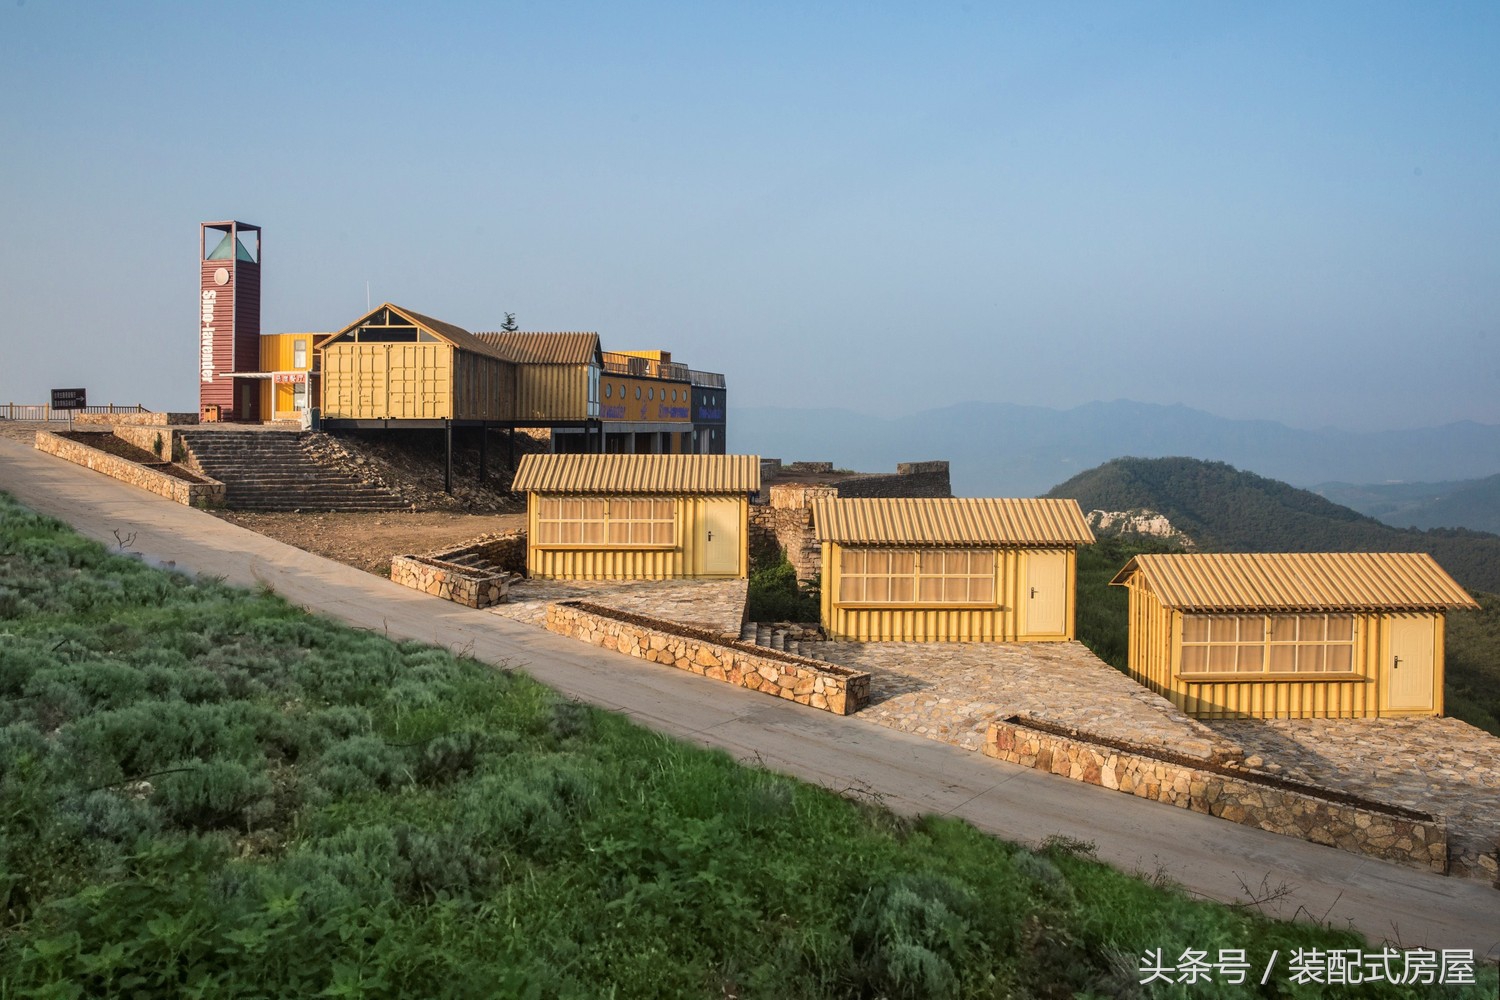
<point x="772" y="637"/>
<point x="278" y="471"/>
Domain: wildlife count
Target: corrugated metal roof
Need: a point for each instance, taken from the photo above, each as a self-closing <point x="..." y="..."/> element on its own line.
<point x="1293" y="581"/>
<point x="950" y="521"/>
<point x="638" y="474"/>
<point x="535" y="348"/>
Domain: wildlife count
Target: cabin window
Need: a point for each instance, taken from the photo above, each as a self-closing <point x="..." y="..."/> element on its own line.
<point x="572" y="521"/>
<point x="908" y="576"/>
<point x="1280" y="644"/>
<point x="299" y="353"/>
<point x="606" y="391"/>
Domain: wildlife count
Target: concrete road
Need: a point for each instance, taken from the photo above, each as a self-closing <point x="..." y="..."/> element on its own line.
<point x="910" y="774"/>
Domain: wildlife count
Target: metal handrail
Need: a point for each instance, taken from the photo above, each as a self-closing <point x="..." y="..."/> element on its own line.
<point x="44" y="411"/>
<point x="709" y="380"/>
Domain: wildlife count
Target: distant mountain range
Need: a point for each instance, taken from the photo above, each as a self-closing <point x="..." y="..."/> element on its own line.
<point x="1003" y="449"/>
<point x="1222" y="509"/>
<point x="1469" y="503"/>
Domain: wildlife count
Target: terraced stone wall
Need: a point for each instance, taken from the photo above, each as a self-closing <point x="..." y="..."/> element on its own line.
<point x="135" y="419"/>
<point x="506" y="550"/>
<point x="459" y="584"/>
<point x="1231" y="792"/>
<point x="142" y="476"/>
<point x="824" y="686"/>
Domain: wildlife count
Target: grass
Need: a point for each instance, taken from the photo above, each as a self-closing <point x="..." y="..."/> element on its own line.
<point x="206" y="792"/>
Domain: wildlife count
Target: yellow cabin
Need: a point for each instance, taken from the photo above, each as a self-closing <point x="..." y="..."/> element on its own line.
<point x="1296" y="635"/>
<point x="637" y="517"/>
<point x="289" y="385"/>
<point x="949" y="570"/>
<point x="393" y="364"/>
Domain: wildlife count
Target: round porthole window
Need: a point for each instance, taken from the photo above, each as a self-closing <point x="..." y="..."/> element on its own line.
<point x="607" y="390"/>
<point x="650" y="393"/>
<point x="637" y="392"/>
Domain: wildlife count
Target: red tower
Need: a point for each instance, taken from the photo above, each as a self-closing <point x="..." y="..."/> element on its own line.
<point x="228" y="319"/>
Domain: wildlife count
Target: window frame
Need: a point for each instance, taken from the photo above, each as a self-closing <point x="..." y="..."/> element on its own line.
<point x="605" y="513"/>
<point x="1267" y="645"/>
<point x="921" y="571"/>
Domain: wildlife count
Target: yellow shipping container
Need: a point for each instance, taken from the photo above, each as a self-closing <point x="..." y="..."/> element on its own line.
<point x="949" y="570"/>
<point x="637" y="517"/>
<point x="395" y="364"/>
<point x="1291" y="635"/>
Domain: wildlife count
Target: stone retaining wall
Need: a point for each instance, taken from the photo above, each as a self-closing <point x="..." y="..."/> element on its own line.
<point x="142" y="476"/>
<point x="506" y="550"/>
<point x="788" y="520"/>
<point x="1229" y="792"/>
<point x="136" y="419"/>
<point x="459" y="584"/>
<point x="813" y="683"/>
<point x="145" y="438"/>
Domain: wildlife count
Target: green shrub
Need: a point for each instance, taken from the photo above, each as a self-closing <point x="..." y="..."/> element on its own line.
<point x="775" y="595"/>
<point x="210" y="795"/>
<point x="359" y="765"/>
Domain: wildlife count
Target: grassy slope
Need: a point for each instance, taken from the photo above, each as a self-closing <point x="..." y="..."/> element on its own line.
<point x="208" y="792"/>
<point x="1226" y="510"/>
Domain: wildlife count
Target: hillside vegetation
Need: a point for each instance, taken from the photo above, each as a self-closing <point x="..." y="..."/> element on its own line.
<point x="1223" y="509"/>
<point x="1226" y="510"/>
<point x="207" y="792"/>
<point x="1471" y="503"/>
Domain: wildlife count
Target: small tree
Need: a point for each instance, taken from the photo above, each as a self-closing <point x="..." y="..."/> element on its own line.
<point x="509" y="326"/>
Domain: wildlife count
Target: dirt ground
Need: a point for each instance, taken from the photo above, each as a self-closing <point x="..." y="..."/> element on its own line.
<point x="367" y="541"/>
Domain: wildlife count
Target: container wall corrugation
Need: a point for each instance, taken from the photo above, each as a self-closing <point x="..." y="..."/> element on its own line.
<point x="552" y="392"/>
<point x="683" y="560"/>
<point x="1156" y="652"/>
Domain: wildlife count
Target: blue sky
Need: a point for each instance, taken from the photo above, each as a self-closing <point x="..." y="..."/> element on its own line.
<point x="1287" y="211"/>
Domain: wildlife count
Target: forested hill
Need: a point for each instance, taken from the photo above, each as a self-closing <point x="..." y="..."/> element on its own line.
<point x="1223" y="509"/>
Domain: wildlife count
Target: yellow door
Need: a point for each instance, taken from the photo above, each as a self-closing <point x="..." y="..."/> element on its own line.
<point x="1046" y="595"/>
<point x="1409" y="664"/>
<point x="721" y="538"/>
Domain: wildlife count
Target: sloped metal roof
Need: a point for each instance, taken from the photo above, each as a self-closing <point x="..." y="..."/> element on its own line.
<point x="950" y="521"/>
<point x="455" y="335"/>
<point x="638" y="474"/>
<point x="1297" y="581"/>
<point x="534" y="348"/>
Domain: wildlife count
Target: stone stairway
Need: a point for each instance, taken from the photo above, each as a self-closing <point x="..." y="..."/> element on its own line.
<point x="774" y="637"/>
<point x="278" y="471"/>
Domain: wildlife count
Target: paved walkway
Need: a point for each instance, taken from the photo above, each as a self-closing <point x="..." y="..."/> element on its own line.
<point x="953" y="691"/>
<point x="712" y="605"/>
<point x="1441" y="766"/>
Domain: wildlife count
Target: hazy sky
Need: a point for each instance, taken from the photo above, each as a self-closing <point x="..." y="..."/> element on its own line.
<point x="1288" y="211"/>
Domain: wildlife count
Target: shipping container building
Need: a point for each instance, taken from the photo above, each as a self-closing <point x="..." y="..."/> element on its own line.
<point x="1291" y="635"/>
<point x="954" y="569"/>
<point x="394" y="367"/>
<point x="637" y="517"/>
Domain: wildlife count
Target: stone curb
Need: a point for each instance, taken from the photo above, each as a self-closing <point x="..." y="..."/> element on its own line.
<point x="1391" y="833"/>
<point x="806" y="682"/>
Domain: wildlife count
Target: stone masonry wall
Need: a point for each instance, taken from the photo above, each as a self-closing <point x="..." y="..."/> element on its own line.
<point x="788" y="520"/>
<point x="142" y="476"/>
<point x="506" y="550"/>
<point x="813" y="683"/>
<point x="136" y="419"/>
<point x="1251" y="799"/>
<point x="144" y="437"/>
<point x="459" y="584"/>
<point x="912" y="479"/>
